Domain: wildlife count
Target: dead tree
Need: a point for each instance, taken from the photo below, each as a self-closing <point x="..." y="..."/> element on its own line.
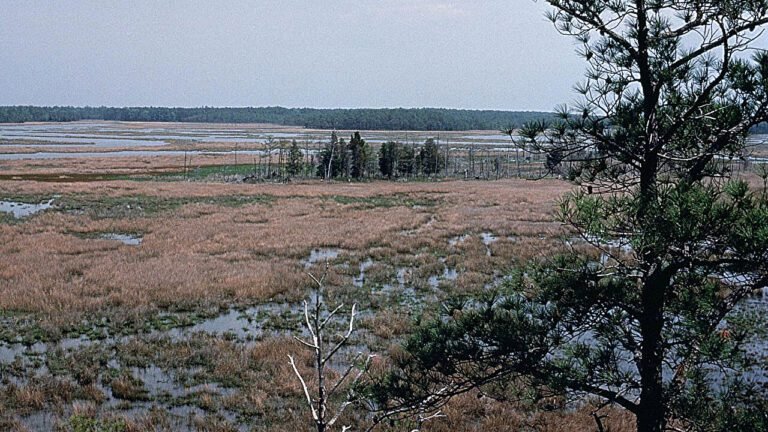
<point x="317" y="321"/>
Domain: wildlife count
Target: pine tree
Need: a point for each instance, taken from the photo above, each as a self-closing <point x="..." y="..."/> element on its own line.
<point x="359" y="153"/>
<point x="647" y="316"/>
<point x="406" y="160"/>
<point x="388" y="155"/>
<point x="333" y="158"/>
<point x="295" y="159"/>
<point x="430" y="159"/>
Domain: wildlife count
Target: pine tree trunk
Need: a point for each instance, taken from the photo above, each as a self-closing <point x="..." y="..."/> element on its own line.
<point x="651" y="413"/>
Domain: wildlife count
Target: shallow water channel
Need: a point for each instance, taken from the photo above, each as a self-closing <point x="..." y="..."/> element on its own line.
<point x="87" y="135"/>
<point x="176" y="389"/>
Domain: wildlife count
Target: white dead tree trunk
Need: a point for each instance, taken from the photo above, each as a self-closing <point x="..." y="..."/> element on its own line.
<point x="324" y="350"/>
<point x="328" y="171"/>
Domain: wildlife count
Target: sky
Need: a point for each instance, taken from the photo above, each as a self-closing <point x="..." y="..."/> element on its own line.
<point x="469" y="54"/>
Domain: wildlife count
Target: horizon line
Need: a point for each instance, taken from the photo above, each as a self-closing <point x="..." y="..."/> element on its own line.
<point x="275" y="106"/>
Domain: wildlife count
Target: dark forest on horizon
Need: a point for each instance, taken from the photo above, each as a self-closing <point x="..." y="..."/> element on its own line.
<point x="314" y="118"/>
<point x="417" y="119"/>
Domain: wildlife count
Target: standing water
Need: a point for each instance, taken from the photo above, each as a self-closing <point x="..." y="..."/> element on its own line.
<point x="20" y="210"/>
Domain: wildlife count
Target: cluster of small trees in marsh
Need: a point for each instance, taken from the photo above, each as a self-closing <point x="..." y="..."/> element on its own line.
<point x="357" y="159"/>
<point x="354" y="159"/>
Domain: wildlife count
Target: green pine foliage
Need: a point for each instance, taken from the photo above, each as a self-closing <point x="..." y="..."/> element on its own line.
<point x="648" y="313"/>
<point x="295" y="160"/>
<point x="431" y="162"/>
<point x="359" y="154"/>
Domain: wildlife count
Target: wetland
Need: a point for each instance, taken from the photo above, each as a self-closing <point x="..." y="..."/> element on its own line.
<point x="133" y="297"/>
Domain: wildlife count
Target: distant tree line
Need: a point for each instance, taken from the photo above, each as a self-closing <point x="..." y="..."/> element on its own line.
<point x="354" y="119"/>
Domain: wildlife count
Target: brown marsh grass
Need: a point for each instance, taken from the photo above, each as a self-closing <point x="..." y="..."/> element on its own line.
<point x="489" y="415"/>
<point x="209" y="246"/>
<point x="55" y="265"/>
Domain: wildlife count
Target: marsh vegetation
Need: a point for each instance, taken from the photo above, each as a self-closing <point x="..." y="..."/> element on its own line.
<point x="161" y="301"/>
<point x="189" y="327"/>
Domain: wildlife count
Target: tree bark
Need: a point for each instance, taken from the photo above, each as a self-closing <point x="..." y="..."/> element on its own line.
<point x="651" y="412"/>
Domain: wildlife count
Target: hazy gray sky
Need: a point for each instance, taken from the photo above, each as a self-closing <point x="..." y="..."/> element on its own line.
<point x="478" y="54"/>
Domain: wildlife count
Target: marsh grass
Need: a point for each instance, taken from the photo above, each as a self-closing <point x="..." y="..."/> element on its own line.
<point x="126" y="386"/>
<point x="209" y="247"/>
<point x="489" y="415"/>
<point x="385" y="201"/>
